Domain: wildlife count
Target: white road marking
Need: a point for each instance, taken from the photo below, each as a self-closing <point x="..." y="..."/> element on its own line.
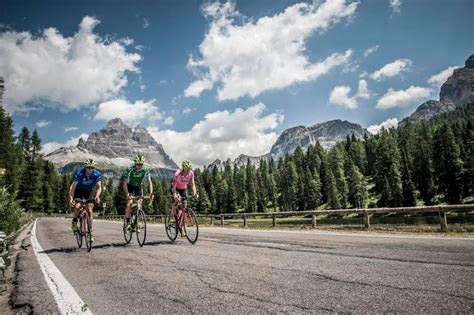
<point x="217" y="228"/>
<point x="66" y="297"/>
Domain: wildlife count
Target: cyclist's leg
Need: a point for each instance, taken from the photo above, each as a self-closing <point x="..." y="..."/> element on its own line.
<point x="76" y="209"/>
<point x="139" y="192"/>
<point x="90" y="210"/>
<point x="182" y="193"/>
<point x="128" y="208"/>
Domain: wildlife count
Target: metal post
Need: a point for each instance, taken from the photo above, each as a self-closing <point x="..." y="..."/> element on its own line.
<point x="313" y="220"/>
<point x="443" y="221"/>
<point x="366" y="220"/>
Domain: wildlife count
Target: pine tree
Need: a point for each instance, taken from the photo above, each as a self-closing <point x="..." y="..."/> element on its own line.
<point x="468" y="160"/>
<point x="358" y="194"/>
<point x="50" y="181"/>
<point x="336" y="159"/>
<point x="333" y="200"/>
<point x="448" y="165"/>
<point x="387" y="167"/>
<point x="251" y="186"/>
<point x="10" y="155"/>
<point x="423" y="175"/>
<point x="409" y="196"/>
<point x="385" y="194"/>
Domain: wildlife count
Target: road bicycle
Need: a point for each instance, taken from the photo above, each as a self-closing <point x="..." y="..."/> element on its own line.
<point x="137" y="221"/>
<point x="182" y="220"/>
<point x="83" y="227"/>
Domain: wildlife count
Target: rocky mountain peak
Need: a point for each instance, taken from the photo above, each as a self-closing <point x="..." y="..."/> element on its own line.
<point x="116" y="144"/>
<point x="327" y="133"/>
<point x="459" y="88"/>
<point x="470" y="62"/>
<point x="81" y="143"/>
<point x="116" y="123"/>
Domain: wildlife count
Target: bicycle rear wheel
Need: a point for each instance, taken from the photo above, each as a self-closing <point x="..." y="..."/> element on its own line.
<point x="140" y="227"/>
<point x="88" y="232"/>
<point x="191" y="226"/>
<point x="78" y="232"/>
<point x="171" y="226"/>
<point x="127" y="234"/>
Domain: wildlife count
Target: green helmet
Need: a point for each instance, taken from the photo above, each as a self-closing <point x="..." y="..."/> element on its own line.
<point x="187" y="164"/>
<point x="139" y="159"/>
<point x="90" y="163"/>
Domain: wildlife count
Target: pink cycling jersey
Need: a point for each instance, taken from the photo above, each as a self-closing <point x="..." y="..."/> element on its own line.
<point x="181" y="180"/>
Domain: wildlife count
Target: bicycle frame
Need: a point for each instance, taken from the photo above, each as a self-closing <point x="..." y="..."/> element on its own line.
<point x="85" y="221"/>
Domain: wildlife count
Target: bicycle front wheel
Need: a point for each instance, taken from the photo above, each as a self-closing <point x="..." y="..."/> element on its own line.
<point x="171" y="226"/>
<point x="127" y="233"/>
<point x="191" y="226"/>
<point x="140" y="227"/>
<point x="78" y="233"/>
<point x="88" y="232"/>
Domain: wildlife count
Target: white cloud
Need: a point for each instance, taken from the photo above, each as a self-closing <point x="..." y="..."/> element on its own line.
<point x="243" y="57"/>
<point x="42" y="123"/>
<point x="438" y="79"/>
<point x="188" y="110"/>
<point x="222" y="134"/>
<point x="51" y="146"/>
<point x="169" y="121"/>
<point x="396" y="5"/>
<point x="340" y="95"/>
<point x="130" y="113"/>
<point x="70" y="72"/>
<point x="371" y="50"/>
<point x="387" y="124"/>
<point x="67" y="129"/>
<point x="403" y="98"/>
<point x="146" y="23"/>
<point x="392" y="69"/>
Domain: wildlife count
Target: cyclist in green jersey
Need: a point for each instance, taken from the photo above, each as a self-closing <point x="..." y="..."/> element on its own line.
<point x="133" y="179"/>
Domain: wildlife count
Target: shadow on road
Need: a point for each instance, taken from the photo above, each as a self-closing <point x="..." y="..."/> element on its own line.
<point x="103" y="246"/>
<point x="155" y="243"/>
<point x="75" y="249"/>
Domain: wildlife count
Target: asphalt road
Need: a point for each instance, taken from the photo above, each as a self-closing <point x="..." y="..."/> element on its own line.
<point x="242" y="271"/>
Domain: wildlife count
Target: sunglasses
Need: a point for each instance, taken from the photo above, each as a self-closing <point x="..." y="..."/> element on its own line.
<point x="90" y="167"/>
<point x="139" y="164"/>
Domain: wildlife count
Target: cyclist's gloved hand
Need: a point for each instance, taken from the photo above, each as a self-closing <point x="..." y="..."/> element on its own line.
<point x="196" y="195"/>
<point x="71" y="201"/>
<point x="97" y="200"/>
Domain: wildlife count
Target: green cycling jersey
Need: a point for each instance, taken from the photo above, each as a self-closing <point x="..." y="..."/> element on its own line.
<point x="136" y="177"/>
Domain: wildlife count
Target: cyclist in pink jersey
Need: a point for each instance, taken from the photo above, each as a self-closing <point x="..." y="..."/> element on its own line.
<point x="181" y="179"/>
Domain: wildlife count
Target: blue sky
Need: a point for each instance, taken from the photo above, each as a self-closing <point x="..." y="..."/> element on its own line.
<point x="222" y="78"/>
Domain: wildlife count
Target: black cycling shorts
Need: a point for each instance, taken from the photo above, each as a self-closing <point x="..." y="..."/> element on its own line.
<point x="181" y="192"/>
<point x="83" y="194"/>
<point x="135" y="190"/>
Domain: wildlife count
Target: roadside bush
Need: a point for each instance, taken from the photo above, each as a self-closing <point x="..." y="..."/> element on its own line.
<point x="10" y="213"/>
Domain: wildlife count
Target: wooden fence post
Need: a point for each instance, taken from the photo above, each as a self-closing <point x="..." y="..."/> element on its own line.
<point x="245" y="221"/>
<point x="212" y="220"/>
<point x="274" y="220"/>
<point x="313" y="220"/>
<point x="443" y="221"/>
<point x="366" y="220"/>
<point x="222" y="219"/>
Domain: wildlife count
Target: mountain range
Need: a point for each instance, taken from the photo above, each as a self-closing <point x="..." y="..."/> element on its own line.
<point x="115" y="144"/>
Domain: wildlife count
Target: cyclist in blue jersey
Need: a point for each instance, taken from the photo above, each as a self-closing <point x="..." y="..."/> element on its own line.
<point x="82" y="188"/>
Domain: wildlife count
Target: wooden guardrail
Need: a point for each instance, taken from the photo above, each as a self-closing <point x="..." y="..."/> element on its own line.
<point x="441" y="210"/>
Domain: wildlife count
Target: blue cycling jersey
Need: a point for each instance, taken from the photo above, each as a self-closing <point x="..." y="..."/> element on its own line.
<point x="85" y="182"/>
